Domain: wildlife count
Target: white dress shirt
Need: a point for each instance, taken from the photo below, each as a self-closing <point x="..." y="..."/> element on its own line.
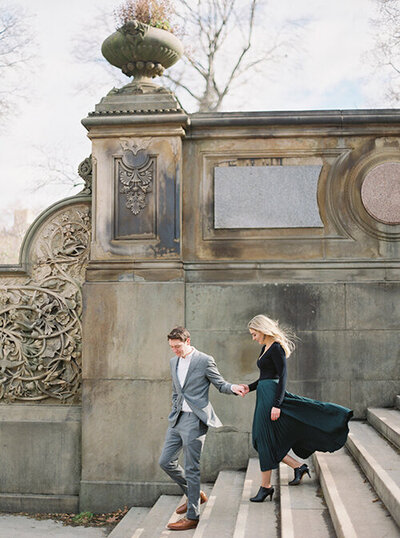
<point x="183" y="367"/>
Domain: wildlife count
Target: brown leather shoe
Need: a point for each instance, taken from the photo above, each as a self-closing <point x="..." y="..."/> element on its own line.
<point x="183" y="507"/>
<point x="183" y="524"/>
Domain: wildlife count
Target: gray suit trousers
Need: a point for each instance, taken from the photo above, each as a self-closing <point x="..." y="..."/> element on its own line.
<point x="189" y="434"/>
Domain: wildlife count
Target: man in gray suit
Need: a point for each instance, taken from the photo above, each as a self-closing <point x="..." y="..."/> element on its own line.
<point x="192" y="372"/>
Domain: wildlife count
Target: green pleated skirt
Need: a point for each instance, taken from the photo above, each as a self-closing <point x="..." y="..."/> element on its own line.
<point x="305" y="425"/>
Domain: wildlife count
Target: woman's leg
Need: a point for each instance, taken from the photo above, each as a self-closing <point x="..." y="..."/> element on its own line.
<point x="266" y="479"/>
<point x="291" y="462"/>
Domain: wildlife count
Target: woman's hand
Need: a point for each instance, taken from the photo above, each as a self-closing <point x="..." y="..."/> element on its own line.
<point x="275" y="413"/>
<point x="245" y="388"/>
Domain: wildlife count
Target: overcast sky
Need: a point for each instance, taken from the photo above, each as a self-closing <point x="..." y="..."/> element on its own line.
<point x="327" y="69"/>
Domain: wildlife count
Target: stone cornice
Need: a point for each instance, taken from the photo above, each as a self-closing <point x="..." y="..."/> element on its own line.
<point x="381" y="122"/>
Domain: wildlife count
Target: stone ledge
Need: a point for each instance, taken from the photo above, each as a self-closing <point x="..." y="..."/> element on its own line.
<point x="17" y="502"/>
<point x="40" y="413"/>
<point x="336" y="118"/>
<point x="106" y="496"/>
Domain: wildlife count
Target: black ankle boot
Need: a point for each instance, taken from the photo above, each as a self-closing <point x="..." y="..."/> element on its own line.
<point x="262" y="494"/>
<point x="298" y="474"/>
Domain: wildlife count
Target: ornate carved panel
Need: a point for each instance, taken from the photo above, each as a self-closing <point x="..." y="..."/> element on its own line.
<point x="40" y="318"/>
<point x="135" y="194"/>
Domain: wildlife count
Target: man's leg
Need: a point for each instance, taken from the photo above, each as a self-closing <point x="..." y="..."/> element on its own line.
<point x="169" y="458"/>
<point x="193" y="433"/>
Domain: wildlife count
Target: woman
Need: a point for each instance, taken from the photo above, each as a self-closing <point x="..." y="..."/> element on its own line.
<point x="284" y="421"/>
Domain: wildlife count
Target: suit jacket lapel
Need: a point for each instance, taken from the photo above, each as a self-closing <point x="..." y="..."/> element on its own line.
<point x="174" y="367"/>
<point x="192" y="366"/>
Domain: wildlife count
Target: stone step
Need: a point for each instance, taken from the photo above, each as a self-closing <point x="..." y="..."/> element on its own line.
<point x="154" y="522"/>
<point x="257" y="519"/>
<point x="353" y="505"/>
<point x="386" y="422"/>
<point x="130" y="522"/>
<point x="302" y="506"/>
<point x="207" y="488"/>
<point x="380" y="463"/>
<point x="219" y="516"/>
<point x="397" y="402"/>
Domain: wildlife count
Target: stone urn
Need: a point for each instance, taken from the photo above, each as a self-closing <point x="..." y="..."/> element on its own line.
<point x="142" y="51"/>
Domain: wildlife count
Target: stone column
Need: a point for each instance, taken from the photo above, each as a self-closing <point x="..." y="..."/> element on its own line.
<point x="134" y="294"/>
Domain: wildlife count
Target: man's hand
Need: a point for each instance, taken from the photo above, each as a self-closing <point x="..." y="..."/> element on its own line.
<point x="239" y="390"/>
<point x="275" y="413"/>
<point x="245" y="388"/>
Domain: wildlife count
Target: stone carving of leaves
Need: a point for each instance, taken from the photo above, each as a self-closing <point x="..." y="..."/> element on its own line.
<point x="40" y="326"/>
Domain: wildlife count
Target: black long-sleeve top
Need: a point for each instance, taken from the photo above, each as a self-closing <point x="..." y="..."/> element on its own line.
<point x="272" y="365"/>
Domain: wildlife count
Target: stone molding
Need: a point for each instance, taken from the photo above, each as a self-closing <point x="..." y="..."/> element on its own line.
<point x="344" y="201"/>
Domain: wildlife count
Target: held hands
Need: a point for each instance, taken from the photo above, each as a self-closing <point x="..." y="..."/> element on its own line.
<point x="275" y="413"/>
<point x="245" y="388"/>
<point x="240" y="390"/>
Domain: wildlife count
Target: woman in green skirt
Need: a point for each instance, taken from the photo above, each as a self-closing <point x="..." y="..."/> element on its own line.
<point x="284" y="421"/>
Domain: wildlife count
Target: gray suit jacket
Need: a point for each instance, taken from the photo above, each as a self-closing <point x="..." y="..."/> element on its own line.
<point x="202" y="371"/>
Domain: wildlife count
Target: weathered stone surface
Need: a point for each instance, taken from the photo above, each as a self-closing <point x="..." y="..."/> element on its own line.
<point x="223" y="450"/>
<point x="376" y="393"/>
<point x="230" y="307"/>
<point x="266" y="197"/>
<point x="337" y="285"/>
<point x="104" y="496"/>
<point x="41" y="449"/>
<point x="34" y="504"/>
<point x="126" y="325"/>
<point x="327" y="390"/>
<point x="156" y="230"/>
<point x="124" y="426"/>
<point x="373" y="306"/>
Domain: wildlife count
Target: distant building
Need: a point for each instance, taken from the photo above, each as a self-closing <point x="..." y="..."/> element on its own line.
<point x="11" y="238"/>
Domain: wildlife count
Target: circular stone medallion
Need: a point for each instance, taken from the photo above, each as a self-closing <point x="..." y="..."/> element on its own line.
<point x="380" y="192"/>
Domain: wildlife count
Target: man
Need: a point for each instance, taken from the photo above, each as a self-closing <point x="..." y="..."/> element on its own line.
<point x="192" y="372"/>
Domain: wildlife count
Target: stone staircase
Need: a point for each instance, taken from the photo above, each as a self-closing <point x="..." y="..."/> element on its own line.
<point x="354" y="492"/>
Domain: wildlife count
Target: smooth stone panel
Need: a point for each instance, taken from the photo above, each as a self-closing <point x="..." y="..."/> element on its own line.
<point x="234" y="352"/>
<point x="126" y="326"/>
<point x="107" y="496"/>
<point x="299" y="306"/>
<point x="375" y="305"/>
<point x="374" y="355"/>
<point x="266" y="197"/>
<point x="347" y="355"/>
<point x="223" y="450"/>
<point x="40" y="449"/>
<point x="33" y="504"/>
<point x="378" y="393"/>
<point x="321" y="355"/>
<point x="325" y="391"/>
<point x="123" y="429"/>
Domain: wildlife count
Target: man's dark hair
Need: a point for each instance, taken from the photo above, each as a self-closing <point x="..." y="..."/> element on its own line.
<point x="179" y="333"/>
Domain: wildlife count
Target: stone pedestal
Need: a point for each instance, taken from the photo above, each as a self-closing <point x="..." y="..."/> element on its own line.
<point x="134" y="294"/>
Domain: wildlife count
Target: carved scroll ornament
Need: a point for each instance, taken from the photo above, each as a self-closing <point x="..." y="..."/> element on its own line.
<point x="40" y="318"/>
<point x="135" y="175"/>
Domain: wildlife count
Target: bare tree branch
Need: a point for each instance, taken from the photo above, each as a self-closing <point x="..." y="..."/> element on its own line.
<point x="386" y="52"/>
<point x="16" y="52"/>
<point x="219" y="41"/>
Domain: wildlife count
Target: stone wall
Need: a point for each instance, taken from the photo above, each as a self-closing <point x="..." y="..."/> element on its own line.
<point x="204" y="221"/>
<point x="40" y="362"/>
<point x="324" y="260"/>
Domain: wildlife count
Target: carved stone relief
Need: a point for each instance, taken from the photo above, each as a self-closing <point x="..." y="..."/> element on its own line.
<point x="135" y="176"/>
<point x="40" y="318"/>
<point x="85" y="171"/>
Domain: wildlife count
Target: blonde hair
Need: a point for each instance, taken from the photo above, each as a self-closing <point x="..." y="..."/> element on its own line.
<point x="270" y="327"/>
